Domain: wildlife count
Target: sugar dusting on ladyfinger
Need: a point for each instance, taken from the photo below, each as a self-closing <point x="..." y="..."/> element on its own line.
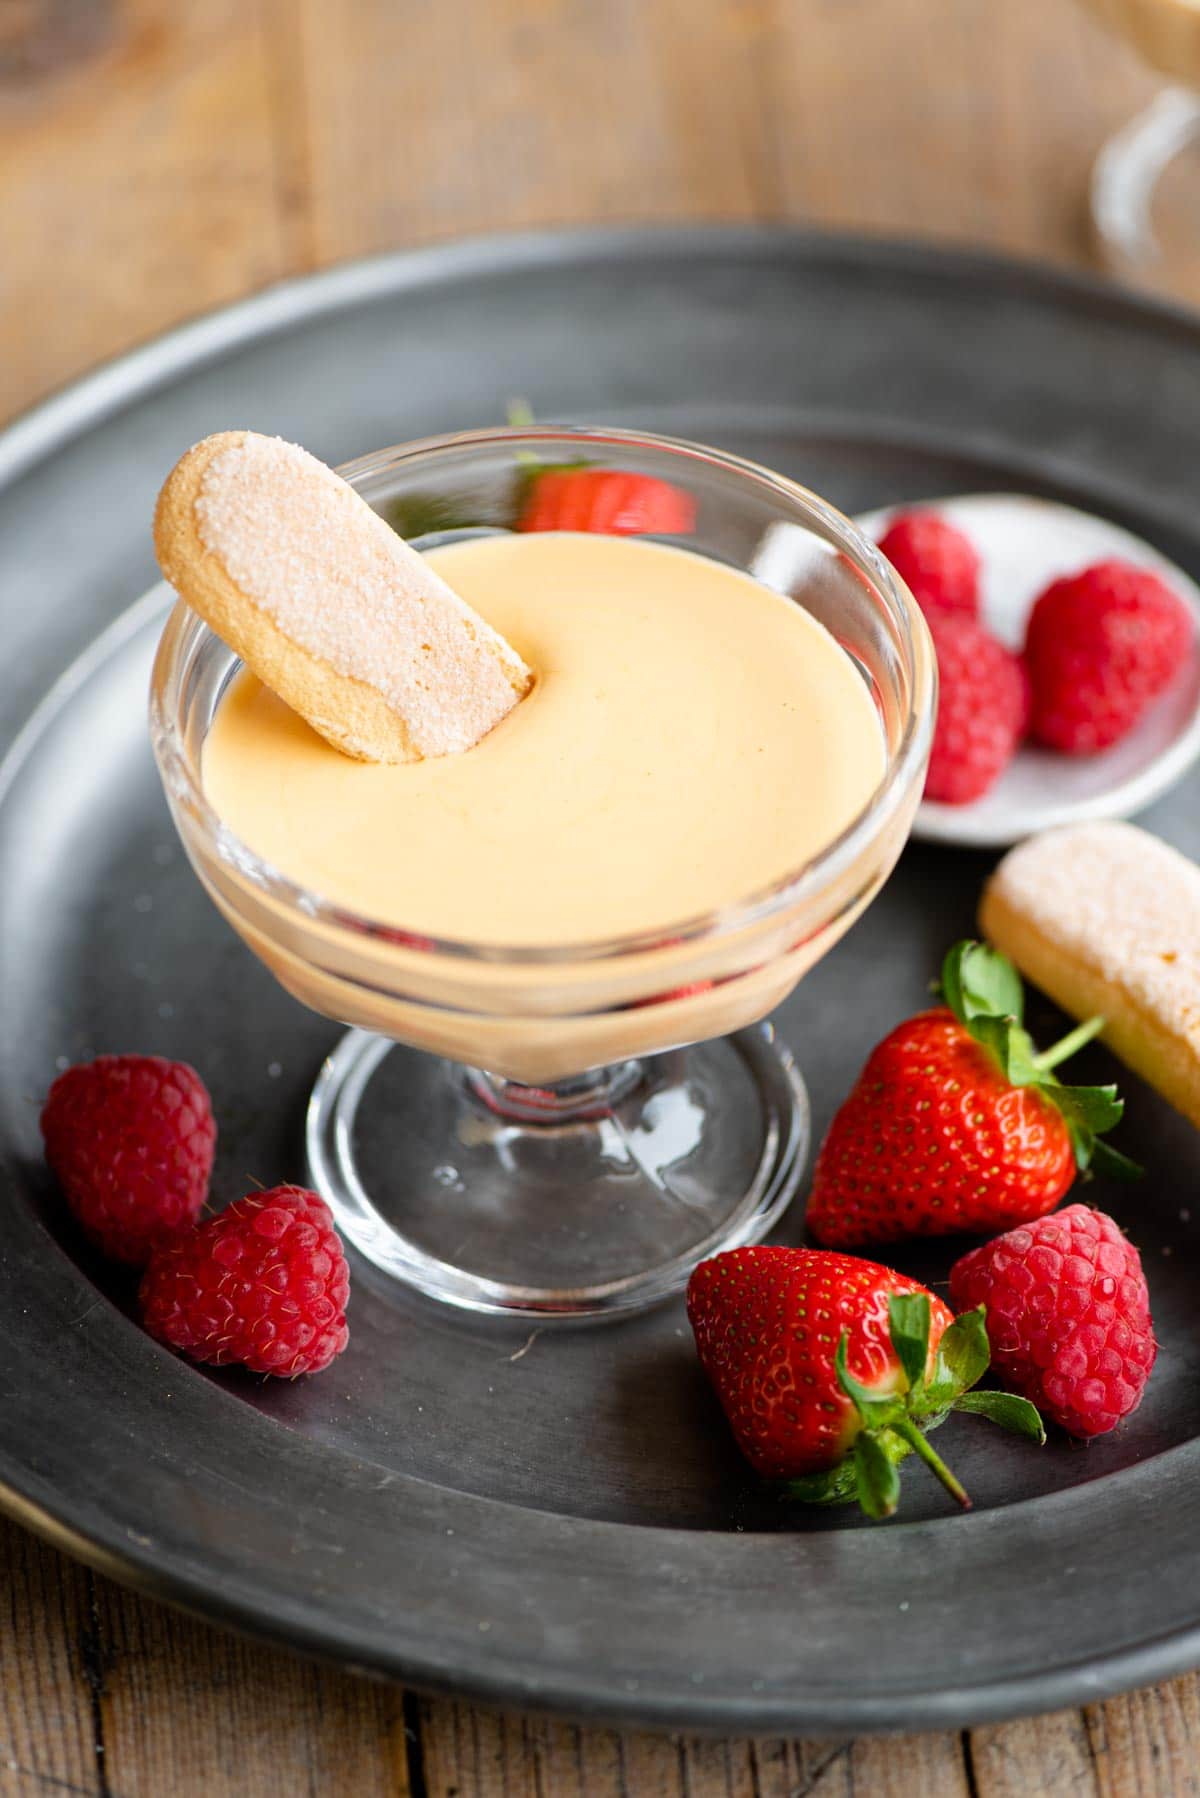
<point x="1106" y="919"/>
<point x="327" y="605"/>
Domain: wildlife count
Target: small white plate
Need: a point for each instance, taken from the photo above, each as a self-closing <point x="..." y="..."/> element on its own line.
<point x="1023" y="544"/>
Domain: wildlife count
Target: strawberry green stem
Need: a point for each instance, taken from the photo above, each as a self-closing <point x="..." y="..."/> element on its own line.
<point x="1069" y="1045"/>
<point x="904" y="1426"/>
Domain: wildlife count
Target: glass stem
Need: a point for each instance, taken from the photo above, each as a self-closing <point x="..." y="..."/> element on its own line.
<point x="577" y="1100"/>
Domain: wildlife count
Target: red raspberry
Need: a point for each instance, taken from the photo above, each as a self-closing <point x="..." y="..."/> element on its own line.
<point x="983" y="704"/>
<point x="1101" y="646"/>
<point x="1068" y="1316"/>
<point x="936" y="562"/>
<point x="131" y="1140"/>
<point x="264" y="1284"/>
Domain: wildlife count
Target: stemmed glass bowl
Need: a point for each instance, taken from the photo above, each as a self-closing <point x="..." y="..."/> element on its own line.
<point x="565" y="1131"/>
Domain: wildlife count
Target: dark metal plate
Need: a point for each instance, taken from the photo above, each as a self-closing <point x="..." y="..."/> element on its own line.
<point x="569" y="1528"/>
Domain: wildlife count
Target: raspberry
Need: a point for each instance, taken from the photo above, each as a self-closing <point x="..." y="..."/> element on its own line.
<point x="131" y="1140"/>
<point x="264" y="1284"/>
<point x="983" y="703"/>
<point x="936" y="562"/>
<point x="1101" y="646"/>
<point x="1068" y="1316"/>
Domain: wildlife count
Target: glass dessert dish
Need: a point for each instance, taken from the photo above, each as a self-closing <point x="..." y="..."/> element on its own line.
<point x="1128" y="176"/>
<point x="566" y="1130"/>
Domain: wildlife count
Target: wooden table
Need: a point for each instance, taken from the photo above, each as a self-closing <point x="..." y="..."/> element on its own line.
<point x="158" y="157"/>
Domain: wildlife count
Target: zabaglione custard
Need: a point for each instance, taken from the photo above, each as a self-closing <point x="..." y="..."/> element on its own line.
<point x="690" y="740"/>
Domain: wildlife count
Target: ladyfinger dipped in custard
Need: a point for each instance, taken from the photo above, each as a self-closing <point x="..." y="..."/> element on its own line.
<point x="1105" y="918"/>
<point x="327" y="605"/>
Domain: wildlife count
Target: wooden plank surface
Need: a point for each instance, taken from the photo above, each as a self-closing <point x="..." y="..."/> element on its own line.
<point x="158" y="158"/>
<point x="139" y="176"/>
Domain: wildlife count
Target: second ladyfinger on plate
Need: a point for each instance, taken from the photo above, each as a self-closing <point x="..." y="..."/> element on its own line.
<point x="1105" y="918"/>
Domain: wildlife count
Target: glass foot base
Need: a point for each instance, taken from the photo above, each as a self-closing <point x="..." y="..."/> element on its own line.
<point x="593" y="1198"/>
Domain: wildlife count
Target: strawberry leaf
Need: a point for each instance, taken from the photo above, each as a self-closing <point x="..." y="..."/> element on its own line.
<point x="839" y="1485"/>
<point x="877" y="1479"/>
<point x="1089" y="1111"/>
<point x="977" y="982"/>
<point x="899" y="1424"/>
<point x="984" y="991"/>
<point x="875" y="1412"/>
<point x="416" y="515"/>
<point x="1006" y="1409"/>
<point x="1082" y="1147"/>
<point x="908" y="1320"/>
<point x="950" y="986"/>
<point x="832" y="1486"/>
<point x="1093" y="1108"/>
<point x="1012" y="1046"/>
<point x="1115" y="1166"/>
<point x="963" y="1357"/>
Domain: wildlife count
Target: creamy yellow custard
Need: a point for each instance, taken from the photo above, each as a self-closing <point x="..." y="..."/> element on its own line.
<point x="691" y="739"/>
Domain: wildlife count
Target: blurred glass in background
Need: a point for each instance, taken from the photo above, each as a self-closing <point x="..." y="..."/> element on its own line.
<point x="1146" y="182"/>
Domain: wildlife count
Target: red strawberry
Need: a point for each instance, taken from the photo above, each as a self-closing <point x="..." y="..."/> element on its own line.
<point x="825" y="1365"/>
<point x="264" y="1284"/>
<point x="607" y="500"/>
<point x="404" y="939"/>
<point x="131" y="1140"/>
<point x="936" y="562"/>
<point x="983" y="710"/>
<point x="1101" y="646"/>
<point x="1068" y="1314"/>
<point x="688" y="991"/>
<point x="675" y="992"/>
<point x="957" y="1123"/>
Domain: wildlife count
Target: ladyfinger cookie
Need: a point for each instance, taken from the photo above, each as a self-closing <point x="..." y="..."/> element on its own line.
<point x="329" y="607"/>
<point x="1106" y="919"/>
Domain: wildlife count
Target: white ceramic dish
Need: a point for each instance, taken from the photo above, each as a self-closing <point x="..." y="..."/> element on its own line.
<point x="1023" y="544"/>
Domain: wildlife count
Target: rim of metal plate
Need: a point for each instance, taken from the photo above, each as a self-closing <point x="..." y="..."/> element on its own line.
<point x="678" y="1566"/>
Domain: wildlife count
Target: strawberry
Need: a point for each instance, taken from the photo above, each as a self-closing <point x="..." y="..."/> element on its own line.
<point x="673" y="993"/>
<point x="1101" y="646"/>
<point x="607" y="500"/>
<point x="688" y="991"/>
<point x="827" y="1366"/>
<point x="935" y="560"/>
<point x="957" y="1123"/>
<point x="982" y="713"/>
